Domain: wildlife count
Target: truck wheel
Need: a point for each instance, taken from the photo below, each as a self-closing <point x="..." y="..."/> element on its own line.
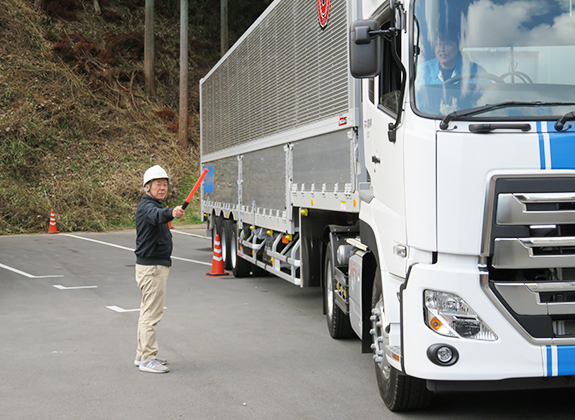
<point x="399" y="392"/>
<point x="225" y="239"/>
<point x="239" y="266"/>
<point x="260" y="272"/>
<point x="338" y="322"/>
<point x="216" y="229"/>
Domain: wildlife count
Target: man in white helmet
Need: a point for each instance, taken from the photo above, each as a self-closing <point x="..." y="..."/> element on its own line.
<point x="153" y="261"/>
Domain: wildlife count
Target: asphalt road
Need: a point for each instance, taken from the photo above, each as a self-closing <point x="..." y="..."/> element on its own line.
<point x="254" y="348"/>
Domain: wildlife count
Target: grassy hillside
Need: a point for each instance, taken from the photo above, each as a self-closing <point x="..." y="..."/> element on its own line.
<point x="77" y="128"/>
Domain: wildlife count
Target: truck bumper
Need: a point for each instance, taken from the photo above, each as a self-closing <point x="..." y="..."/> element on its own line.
<point x="510" y="356"/>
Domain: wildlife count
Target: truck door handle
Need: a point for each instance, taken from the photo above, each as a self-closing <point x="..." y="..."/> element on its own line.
<point x="375" y="159"/>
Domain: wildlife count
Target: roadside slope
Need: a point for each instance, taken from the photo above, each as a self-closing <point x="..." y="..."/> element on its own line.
<point x="75" y="139"/>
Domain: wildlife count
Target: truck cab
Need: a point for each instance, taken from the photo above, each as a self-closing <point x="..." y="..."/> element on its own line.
<point x="416" y="160"/>
<point x="469" y="144"/>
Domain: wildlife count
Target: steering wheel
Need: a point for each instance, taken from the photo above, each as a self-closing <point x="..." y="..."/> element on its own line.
<point x="519" y="74"/>
<point x="469" y="76"/>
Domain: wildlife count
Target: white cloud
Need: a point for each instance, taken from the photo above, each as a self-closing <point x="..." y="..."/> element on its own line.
<point x="515" y="23"/>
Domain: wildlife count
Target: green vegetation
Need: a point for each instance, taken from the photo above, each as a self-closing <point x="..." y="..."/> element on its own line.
<point x="77" y="127"/>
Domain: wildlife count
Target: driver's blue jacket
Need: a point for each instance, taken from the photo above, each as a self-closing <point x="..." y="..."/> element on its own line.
<point x="429" y="73"/>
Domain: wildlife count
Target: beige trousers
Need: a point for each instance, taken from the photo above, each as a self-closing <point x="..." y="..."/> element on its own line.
<point x="152" y="280"/>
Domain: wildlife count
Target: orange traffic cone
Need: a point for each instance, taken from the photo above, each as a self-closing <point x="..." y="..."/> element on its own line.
<point x="52" y="224"/>
<point x="217" y="261"/>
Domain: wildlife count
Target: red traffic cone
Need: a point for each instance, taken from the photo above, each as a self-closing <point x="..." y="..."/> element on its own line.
<point x="52" y="224"/>
<point x="217" y="261"/>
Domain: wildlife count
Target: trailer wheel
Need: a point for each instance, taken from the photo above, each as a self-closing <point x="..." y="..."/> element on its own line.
<point x="216" y="229"/>
<point x="399" y="392"/>
<point x="338" y="322"/>
<point x="260" y="272"/>
<point x="226" y="240"/>
<point x="239" y="266"/>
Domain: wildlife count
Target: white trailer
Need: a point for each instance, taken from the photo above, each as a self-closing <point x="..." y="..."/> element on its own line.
<point x="430" y="190"/>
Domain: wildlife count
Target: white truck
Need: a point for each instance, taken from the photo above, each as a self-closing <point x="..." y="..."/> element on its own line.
<point x="416" y="159"/>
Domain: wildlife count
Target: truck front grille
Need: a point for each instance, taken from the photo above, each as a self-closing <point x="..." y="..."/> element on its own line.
<point x="529" y="249"/>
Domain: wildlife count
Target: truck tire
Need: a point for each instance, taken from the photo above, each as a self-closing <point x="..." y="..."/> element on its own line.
<point x="216" y="229"/>
<point x="225" y="239"/>
<point x="399" y="392"/>
<point x="338" y="322"/>
<point x="239" y="266"/>
<point x="259" y="272"/>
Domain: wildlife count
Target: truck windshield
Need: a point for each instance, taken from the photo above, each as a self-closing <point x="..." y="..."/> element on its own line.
<point x="471" y="53"/>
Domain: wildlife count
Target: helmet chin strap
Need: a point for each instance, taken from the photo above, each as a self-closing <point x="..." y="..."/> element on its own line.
<point x="148" y="190"/>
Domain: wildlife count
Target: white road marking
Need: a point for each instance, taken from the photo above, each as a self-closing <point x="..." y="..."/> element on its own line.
<point x="192" y="234"/>
<point x="30" y="276"/>
<point x="130" y="249"/>
<point x="59" y="286"/>
<point x="118" y="309"/>
<point x="98" y="242"/>
<point x="192" y="261"/>
<point x="122" y="310"/>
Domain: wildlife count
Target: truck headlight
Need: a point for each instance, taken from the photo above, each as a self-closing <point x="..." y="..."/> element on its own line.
<point x="447" y="314"/>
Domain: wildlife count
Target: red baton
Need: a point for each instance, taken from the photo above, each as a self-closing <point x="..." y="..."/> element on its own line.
<point x="198" y="183"/>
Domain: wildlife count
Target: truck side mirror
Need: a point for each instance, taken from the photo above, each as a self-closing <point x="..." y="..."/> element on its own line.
<point x="364" y="52"/>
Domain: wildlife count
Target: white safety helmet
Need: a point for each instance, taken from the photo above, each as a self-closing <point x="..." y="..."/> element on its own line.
<point x="155" y="172"/>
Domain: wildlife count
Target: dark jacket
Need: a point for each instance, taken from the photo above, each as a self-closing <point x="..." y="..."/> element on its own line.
<point x="154" y="239"/>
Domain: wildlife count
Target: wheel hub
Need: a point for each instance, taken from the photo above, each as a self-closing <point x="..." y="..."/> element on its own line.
<point x="233" y="250"/>
<point x="380" y="338"/>
<point x="330" y="298"/>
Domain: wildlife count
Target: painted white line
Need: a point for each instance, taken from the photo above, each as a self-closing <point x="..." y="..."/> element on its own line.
<point x="122" y="310"/>
<point x="30" y="276"/>
<point x="130" y="249"/>
<point x="59" y="286"/>
<point x="98" y="242"/>
<point x="192" y="234"/>
<point x="192" y="261"/>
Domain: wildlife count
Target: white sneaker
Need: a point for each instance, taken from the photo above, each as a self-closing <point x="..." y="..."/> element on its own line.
<point x="138" y="360"/>
<point x="153" y="366"/>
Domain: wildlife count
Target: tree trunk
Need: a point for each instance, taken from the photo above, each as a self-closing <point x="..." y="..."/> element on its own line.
<point x="183" y="124"/>
<point x="224" y="27"/>
<point x="149" y="53"/>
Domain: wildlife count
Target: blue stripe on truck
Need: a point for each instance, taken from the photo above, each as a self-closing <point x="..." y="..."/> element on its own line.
<point x="563" y="360"/>
<point x="562" y="150"/>
<point x="561" y="147"/>
<point x="541" y="145"/>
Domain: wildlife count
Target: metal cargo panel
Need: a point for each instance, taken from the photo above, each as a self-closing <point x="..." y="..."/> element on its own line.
<point x="323" y="160"/>
<point x="264" y="179"/>
<point x="225" y="185"/>
<point x="285" y="73"/>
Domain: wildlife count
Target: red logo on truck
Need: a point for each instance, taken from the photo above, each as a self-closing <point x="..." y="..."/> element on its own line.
<point x="323" y="10"/>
